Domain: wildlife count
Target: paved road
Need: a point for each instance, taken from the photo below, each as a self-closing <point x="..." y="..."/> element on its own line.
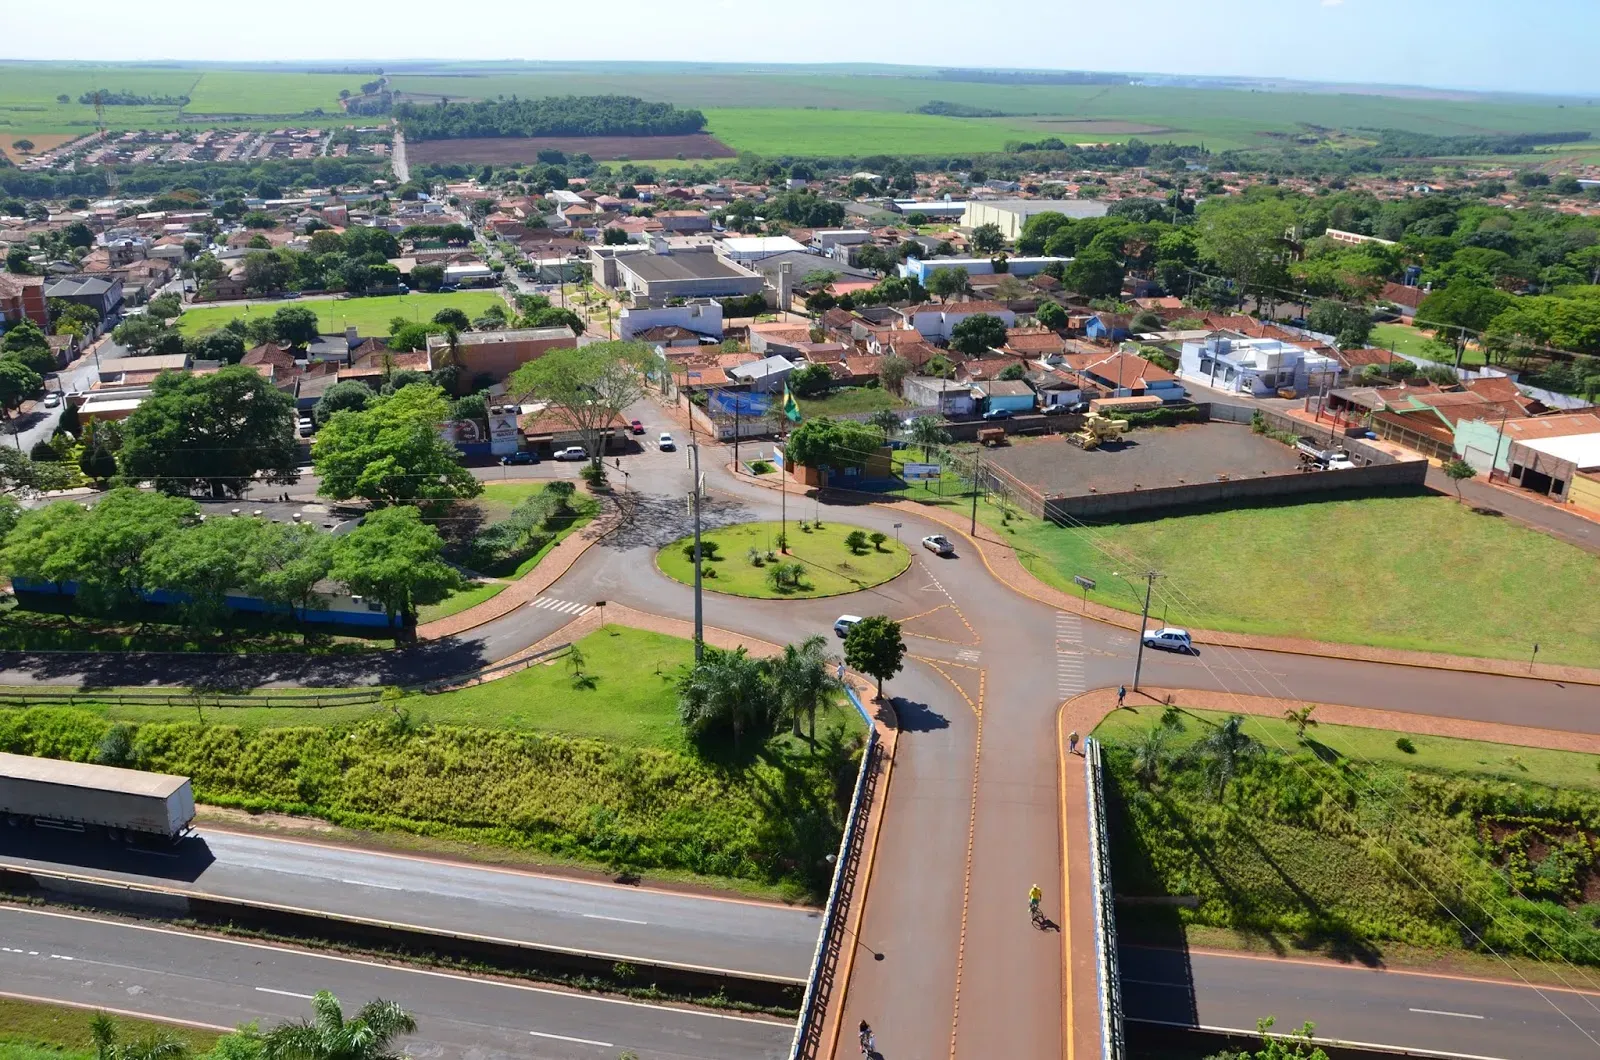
<point x="164" y="973"/>
<point x="627" y="923"/>
<point x="1464" y="1017"/>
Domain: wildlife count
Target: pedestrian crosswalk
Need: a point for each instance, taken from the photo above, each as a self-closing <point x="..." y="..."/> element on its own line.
<point x="566" y="607"/>
<point x="1069" y="655"/>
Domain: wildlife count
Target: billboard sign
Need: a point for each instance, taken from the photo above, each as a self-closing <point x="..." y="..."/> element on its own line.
<point x="920" y="472"/>
<point x="503" y="432"/>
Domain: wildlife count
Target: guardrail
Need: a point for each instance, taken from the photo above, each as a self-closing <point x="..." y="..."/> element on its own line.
<point x="1112" y="1043"/>
<point x="831" y="916"/>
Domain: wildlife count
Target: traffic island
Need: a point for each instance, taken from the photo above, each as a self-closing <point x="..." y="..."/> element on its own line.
<point x="821" y="559"/>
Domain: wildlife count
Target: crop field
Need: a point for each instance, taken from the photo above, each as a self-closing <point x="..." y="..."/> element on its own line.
<point x="252" y="92"/>
<point x="855" y="132"/>
<point x="521" y="150"/>
<point x="369" y="316"/>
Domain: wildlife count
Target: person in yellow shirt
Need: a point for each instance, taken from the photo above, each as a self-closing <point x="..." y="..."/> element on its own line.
<point x="1034" y="894"/>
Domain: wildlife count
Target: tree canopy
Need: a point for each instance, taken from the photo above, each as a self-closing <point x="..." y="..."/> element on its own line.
<point x="394" y="557"/>
<point x="977" y="334"/>
<point x="390" y="452"/>
<point x="587" y="386"/>
<point x="836" y="444"/>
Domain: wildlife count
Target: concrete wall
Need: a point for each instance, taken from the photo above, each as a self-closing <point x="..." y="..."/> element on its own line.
<point x="1241" y="491"/>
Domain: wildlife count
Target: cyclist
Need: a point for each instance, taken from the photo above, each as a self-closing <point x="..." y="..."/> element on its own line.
<point x="869" y="1045"/>
<point x="1034" y="894"/>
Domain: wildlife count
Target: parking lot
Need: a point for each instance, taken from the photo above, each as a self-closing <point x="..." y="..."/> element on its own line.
<point x="1148" y="458"/>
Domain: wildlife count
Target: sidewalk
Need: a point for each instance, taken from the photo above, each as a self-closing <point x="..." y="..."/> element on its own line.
<point x="1003" y="562"/>
<point x="550" y="569"/>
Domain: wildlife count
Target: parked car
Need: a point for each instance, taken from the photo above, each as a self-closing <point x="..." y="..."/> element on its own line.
<point x="52" y="399"/>
<point x="306" y="426"/>
<point x="939" y="545"/>
<point x="521" y="456"/>
<point x="844" y="624"/>
<point x="666" y="442"/>
<point x="572" y="452"/>
<point x="997" y="414"/>
<point x="1169" y="638"/>
<point x="636" y="427"/>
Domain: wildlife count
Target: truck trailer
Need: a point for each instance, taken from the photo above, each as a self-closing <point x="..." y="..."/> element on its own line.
<point x="76" y="795"/>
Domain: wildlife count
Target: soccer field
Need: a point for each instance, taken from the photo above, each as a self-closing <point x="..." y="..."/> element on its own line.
<point x="369" y="316"/>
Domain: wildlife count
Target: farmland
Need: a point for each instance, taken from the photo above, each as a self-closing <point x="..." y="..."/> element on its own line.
<point x="855" y="132"/>
<point x="369" y="316"/>
<point x="521" y="150"/>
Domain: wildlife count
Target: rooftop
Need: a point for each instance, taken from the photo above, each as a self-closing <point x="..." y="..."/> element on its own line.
<point x="489" y="338"/>
<point x="1582" y="450"/>
<point x="664" y="268"/>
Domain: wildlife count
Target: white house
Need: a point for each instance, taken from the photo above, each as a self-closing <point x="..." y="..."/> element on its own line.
<point x="703" y="316"/>
<point x="1260" y="367"/>
<point x="946" y="395"/>
<point x="935" y="321"/>
<point x="765" y="375"/>
<point x="747" y="249"/>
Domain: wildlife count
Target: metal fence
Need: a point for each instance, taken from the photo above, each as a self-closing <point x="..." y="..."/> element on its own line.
<point x="805" y="1032"/>
<point x="1112" y="1045"/>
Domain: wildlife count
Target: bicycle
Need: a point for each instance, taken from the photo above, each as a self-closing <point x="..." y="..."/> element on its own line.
<point x="1034" y="915"/>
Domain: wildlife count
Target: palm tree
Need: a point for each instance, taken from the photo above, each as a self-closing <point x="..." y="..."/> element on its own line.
<point x="727" y="690"/>
<point x="886" y="420"/>
<point x="805" y="681"/>
<point x="103" y="1033"/>
<point x="329" y="1036"/>
<point x="1301" y="718"/>
<point x="926" y="433"/>
<point x="1225" y="750"/>
<point x="1150" y="755"/>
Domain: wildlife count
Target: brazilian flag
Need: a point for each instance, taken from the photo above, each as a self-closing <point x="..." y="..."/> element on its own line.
<point x="791" y="407"/>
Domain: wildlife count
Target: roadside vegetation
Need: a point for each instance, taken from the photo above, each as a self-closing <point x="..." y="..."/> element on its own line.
<point x="1346" y="840"/>
<point x="821" y="559"/>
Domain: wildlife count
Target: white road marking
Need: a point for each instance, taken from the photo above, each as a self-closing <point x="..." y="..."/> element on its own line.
<point x="968" y="655"/>
<point x="1439" y="1012"/>
<point x="364" y="883"/>
<point x="565" y="607"/>
<point x="1069" y="655"/>
<point x="285" y="993"/>
<point x="564" y="1038"/>
<point x="618" y="919"/>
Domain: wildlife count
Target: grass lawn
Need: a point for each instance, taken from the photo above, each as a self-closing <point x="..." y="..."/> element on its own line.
<point x="370" y="316"/>
<point x="496" y="502"/>
<point x="849" y="400"/>
<point x="1338" y="843"/>
<point x="1403" y="338"/>
<point x="35" y="1030"/>
<point x="831" y="568"/>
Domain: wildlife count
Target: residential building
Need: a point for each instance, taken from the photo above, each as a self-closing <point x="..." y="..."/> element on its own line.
<point x="1552" y="466"/>
<point x="1407" y="299"/>
<point x="102" y="294"/>
<point x="684" y="221"/>
<point x="1010" y="395"/>
<point x="22" y="298"/>
<point x="1056" y="386"/>
<point x="1260" y="367"/>
<point x="763" y="376"/>
<point x="498" y="353"/>
<point x="1118" y="374"/>
<point x="1486" y="442"/>
<point x="946" y="395"/>
<point x="749" y="249"/>
<point x="1011" y="214"/>
<point x="703" y="316"/>
<point x="936" y="321"/>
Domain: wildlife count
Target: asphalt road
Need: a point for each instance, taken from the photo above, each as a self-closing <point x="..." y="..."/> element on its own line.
<point x="1453" y="1016"/>
<point x="626" y="923"/>
<point x="165" y="973"/>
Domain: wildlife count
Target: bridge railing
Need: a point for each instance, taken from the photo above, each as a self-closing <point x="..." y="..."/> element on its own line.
<point x="807" y="1029"/>
<point x="1112" y="1044"/>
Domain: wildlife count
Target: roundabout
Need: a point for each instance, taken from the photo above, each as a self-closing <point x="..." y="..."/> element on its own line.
<point x="745" y="559"/>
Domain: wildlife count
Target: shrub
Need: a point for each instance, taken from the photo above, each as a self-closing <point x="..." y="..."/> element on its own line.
<point x="1166" y="416"/>
<point x="856" y="541"/>
<point x="1404" y="743"/>
<point x="761" y="467"/>
<point x="755" y="557"/>
<point x="707" y="571"/>
<point x="878" y="537"/>
<point x="708" y="550"/>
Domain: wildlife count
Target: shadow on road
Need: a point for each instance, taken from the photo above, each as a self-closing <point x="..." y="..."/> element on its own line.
<point x="918" y="717"/>
<point x="184" y="860"/>
<point x="650" y="520"/>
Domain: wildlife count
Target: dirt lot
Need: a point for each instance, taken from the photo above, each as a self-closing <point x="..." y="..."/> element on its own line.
<point x="520" y="150"/>
<point x="1149" y="458"/>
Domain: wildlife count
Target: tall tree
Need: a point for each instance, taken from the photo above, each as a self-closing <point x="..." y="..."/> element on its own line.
<point x="1225" y="751"/>
<point x="977" y="334"/>
<point x="588" y="386"/>
<point x="295" y="326"/>
<point x="987" y="238"/>
<point x="1095" y="273"/>
<point x="728" y="693"/>
<point x="391" y="451"/>
<point x="368" y="1035"/>
<point x="211" y="432"/>
<point x="805" y="681"/>
<point x="1245" y="240"/>
<point x="946" y="282"/>
<point x="926" y="432"/>
<point x="291" y="560"/>
<point x="393" y="557"/>
<point x="205" y="563"/>
<point x="874" y="646"/>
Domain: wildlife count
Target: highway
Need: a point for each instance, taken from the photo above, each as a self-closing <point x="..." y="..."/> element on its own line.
<point x="1443" y="1015"/>
<point x="626" y="923"/>
<point x="160" y="972"/>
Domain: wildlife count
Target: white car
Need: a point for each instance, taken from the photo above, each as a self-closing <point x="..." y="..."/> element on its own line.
<point x="666" y="443"/>
<point x="844" y="624"/>
<point x="306" y="426"/>
<point x="52" y="399"/>
<point x="939" y="545"/>
<point x="572" y="452"/>
<point x="1170" y="638"/>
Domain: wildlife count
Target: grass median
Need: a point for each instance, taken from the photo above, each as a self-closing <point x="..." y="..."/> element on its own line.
<point x="1351" y="842"/>
<point x="746" y="560"/>
<point x="38" y="1030"/>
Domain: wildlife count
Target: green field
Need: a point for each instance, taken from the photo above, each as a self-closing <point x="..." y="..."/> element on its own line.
<point x="849" y="400"/>
<point x="830" y="567"/>
<point x="854" y="132"/>
<point x="252" y="92"/>
<point x="1377" y="577"/>
<point x="369" y="316"/>
<point x="1344" y="841"/>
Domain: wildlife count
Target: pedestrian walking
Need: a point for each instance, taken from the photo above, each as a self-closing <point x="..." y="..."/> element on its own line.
<point x="869" y="1044"/>
<point x="1072" y="742"/>
<point x="1122" y="693"/>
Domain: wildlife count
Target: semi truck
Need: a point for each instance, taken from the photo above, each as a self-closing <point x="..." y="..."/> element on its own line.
<point x="125" y="803"/>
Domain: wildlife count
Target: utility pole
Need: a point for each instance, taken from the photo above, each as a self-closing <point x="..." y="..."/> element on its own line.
<point x="694" y="506"/>
<point x="977" y="463"/>
<point x="1138" y="662"/>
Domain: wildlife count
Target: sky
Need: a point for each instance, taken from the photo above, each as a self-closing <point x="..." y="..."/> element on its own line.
<point x="1541" y="46"/>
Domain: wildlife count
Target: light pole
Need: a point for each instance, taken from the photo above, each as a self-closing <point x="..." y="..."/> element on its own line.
<point x="694" y="506"/>
<point x="1150" y="577"/>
